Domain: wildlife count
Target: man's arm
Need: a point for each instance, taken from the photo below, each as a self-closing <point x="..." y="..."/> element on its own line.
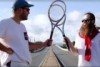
<point x="5" y="49"/>
<point x="37" y="45"/>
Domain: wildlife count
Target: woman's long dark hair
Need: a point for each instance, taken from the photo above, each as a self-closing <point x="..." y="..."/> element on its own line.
<point x="91" y="25"/>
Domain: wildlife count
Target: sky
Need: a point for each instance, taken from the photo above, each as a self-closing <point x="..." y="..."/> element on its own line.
<point x="38" y="23"/>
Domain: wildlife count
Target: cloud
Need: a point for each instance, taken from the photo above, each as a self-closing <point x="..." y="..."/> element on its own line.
<point x="73" y="23"/>
<point x="39" y="27"/>
<point x="5" y="13"/>
<point x="41" y="20"/>
<point x="74" y="15"/>
<point x="97" y="19"/>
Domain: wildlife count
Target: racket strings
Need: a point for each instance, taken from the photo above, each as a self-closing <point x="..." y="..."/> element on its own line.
<point x="57" y="15"/>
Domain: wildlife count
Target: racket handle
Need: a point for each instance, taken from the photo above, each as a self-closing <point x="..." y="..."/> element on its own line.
<point x="51" y="35"/>
<point x="48" y="44"/>
<point x="66" y="42"/>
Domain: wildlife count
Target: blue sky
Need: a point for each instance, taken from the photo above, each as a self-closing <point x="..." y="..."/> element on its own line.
<point x="38" y="24"/>
<point x="84" y="6"/>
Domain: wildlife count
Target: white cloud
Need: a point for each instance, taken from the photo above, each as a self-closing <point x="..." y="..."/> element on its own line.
<point x="5" y="13"/>
<point x="74" y="15"/>
<point x="73" y="23"/>
<point x="97" y="19"/>
<point x="41" y="20"/>
<point x="39" y="27"/>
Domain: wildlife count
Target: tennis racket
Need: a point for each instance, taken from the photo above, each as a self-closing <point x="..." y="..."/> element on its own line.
<point x="57" y="16"/>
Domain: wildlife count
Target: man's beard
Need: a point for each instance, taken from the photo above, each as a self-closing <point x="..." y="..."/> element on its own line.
<point x="23" y="17"/>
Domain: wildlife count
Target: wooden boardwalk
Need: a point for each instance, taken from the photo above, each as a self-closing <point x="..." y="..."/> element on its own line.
<point x="50" y="60"/>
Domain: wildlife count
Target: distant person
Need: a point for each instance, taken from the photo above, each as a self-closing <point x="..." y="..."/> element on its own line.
<point x="87" y="43"/>
<point x="14" y="45"/>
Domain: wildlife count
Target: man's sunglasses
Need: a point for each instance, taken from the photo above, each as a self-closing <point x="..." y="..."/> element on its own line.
<point x="27" y="9"/>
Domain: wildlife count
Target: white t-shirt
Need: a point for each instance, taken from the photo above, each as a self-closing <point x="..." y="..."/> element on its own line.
<point x="95" y="51"/>
<point x="14" y="35"/>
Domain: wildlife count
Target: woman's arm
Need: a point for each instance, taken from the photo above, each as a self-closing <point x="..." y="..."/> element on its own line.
<point x="71" y="46"/>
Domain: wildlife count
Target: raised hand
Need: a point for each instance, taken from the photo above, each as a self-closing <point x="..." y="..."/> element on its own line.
<point x="48" y="42"/>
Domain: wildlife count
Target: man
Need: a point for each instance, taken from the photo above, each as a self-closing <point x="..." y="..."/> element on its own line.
<point x="87" y="43"/>
<point x="14" y="44"/>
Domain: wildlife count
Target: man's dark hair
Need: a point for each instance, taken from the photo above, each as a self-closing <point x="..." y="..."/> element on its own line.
<point x="92" y="16"/>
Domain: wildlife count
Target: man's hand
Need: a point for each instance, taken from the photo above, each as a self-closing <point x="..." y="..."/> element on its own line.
<point x="48" y="42"/>
<point x="9" y="51"/>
